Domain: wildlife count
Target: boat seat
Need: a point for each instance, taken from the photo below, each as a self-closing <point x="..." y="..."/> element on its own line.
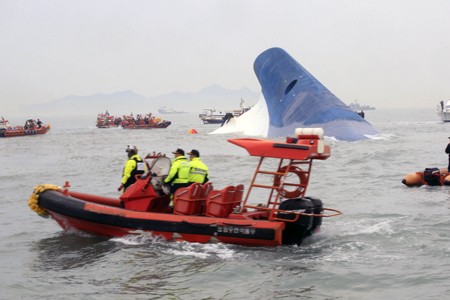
<point x="189" y="200"/>
<point x="139" y="195"/>
<point x="237" y="198"/>
<point x="219" y="202"/>
<point x="207" y="187"/>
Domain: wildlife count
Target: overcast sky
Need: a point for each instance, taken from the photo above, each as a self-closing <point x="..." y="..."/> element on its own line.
<point x="385" y="53"/>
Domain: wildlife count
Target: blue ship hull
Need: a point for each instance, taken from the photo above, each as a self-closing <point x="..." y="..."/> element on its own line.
<point x="295" y="98"/>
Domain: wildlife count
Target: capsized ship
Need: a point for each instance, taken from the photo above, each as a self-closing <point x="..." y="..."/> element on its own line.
<point x="295" y="98"/>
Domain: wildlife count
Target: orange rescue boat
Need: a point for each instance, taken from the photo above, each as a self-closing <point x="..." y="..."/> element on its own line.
<point x="202" y="213"/>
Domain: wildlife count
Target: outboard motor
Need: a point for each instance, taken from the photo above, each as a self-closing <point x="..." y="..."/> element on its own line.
<point x="294" y="232"/>
<point x="318" y="210"/>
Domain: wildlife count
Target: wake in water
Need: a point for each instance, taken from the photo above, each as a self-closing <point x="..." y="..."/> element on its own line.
<point x="181" y="248"/>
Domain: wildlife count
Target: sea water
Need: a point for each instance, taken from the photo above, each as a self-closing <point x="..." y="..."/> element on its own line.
<point x="391" y="242"/>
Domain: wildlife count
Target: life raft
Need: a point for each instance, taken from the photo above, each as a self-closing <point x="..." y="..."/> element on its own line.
<point x="429" y="177"/>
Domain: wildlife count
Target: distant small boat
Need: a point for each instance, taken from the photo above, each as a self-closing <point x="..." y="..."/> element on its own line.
<point x="170" y="111"/>
<point x="31" y="128"/>
<point x="144" y="122"/>
<point x="213" y="116"/>
<point x="443" y="111"/>
<point x="358" y="107"/>
<point x="106" y="120"/>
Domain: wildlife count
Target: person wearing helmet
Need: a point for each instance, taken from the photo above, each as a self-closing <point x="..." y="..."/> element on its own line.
<point x="179" y="171"/>
<point x="133" y="166"/>
<point x="199" y="171"/>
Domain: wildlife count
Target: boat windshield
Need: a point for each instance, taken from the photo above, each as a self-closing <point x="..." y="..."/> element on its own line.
<point x="160" y="166"/>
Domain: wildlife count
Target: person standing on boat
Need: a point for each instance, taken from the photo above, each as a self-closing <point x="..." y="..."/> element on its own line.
<point x="447" y="150"/>
<point x="134" y="166"/>
<point x="39" y="123"/>
<point x="199" y="171"/>
<point x="179" y="171"/>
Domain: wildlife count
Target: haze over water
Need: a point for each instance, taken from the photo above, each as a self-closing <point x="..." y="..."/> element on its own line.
<point x="391" y="242"/>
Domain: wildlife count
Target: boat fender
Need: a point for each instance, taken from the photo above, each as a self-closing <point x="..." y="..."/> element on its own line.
<point x="302" y="180"/>
<point x="33" y="202"/>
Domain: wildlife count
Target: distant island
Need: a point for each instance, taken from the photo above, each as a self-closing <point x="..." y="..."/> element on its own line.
<point x="118" y="102"/>
<point x="358" y="107"/>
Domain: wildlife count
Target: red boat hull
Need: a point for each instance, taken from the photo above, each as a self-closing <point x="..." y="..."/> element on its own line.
<point x="20" y="131"/>
<point x="113" y="221"/>
<point x="147" y="126"/>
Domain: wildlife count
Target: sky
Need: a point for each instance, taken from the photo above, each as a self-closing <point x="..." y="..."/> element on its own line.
<point x="384" y="53"/>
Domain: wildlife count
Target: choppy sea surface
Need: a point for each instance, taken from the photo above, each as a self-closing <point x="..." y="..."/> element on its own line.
<point x="391" y="242"/>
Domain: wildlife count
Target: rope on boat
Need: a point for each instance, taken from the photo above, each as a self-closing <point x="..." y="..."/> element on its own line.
<point x="33" y="202"/>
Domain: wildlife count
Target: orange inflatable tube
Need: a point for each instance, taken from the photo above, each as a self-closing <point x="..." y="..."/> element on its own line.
<point x="416" y="178"/>
<point x="413" y="179"/>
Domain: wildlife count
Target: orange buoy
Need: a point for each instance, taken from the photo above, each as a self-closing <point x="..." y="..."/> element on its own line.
<point x="413" y="179"/>
<point x="447" y="180"/>
<point x="192" y="131"/>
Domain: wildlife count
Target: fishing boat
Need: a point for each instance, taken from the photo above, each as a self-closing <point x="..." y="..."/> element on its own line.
<point x="31" y="128"/>
<point x="429" y="177"/>
<point x="443" y="111"/>
<point x="274" y="210"/>
<point x="214" y="116"/>
<point x="144" y="122"/>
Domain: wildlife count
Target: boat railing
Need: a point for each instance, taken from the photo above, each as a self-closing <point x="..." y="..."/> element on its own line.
<point x="278" y="184"/>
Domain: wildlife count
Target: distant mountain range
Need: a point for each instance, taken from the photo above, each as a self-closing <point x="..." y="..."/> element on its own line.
<point x="125" y="102"/>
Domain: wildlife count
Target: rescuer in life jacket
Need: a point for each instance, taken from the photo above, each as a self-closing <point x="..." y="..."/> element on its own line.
<point x="179" y="171"/>
<point x="134" y="166"/>
<point x="199" y="171"/>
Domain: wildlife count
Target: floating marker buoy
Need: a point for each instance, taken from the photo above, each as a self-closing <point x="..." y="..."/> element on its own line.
<point x="192" y="131"/>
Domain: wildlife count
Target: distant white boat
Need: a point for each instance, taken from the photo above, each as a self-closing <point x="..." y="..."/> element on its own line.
<point x="213" y="116"/>
<point x="443" y="111"/>
<point x="170" y="111"/>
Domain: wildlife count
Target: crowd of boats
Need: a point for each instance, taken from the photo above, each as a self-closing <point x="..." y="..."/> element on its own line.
<point x="137" y="121"/>
<point x="208" y="116"/>
<point x="140" y="121"/>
